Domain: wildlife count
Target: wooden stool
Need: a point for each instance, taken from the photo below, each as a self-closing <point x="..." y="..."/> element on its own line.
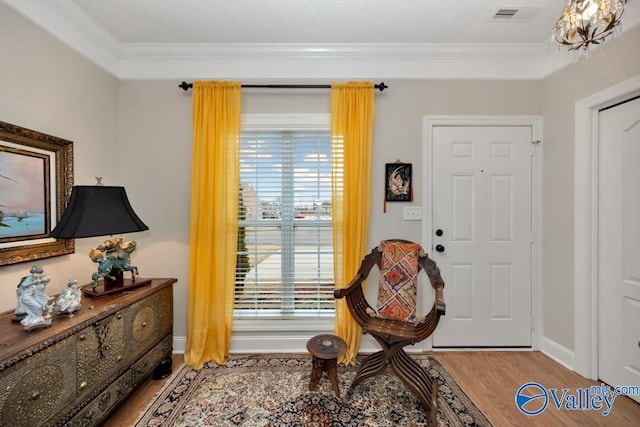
<point x="325" y="350"/>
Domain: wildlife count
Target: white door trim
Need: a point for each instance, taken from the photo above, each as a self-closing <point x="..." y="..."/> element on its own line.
<point x="586" y="221"/>
<point x="536" y="202"/>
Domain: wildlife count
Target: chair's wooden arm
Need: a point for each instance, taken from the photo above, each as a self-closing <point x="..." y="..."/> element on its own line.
<point x="367" y="263"/>
<point x="440" y="304"/>
<point x="353" y="284"/>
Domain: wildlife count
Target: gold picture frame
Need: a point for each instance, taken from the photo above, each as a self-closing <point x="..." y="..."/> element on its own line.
<point x="42" y="166"/>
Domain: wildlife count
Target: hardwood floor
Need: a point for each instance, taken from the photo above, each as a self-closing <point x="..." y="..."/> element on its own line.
<point x="490" y="379"/>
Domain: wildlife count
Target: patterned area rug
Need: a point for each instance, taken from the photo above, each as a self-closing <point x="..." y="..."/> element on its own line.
<point x="272" y="390"/>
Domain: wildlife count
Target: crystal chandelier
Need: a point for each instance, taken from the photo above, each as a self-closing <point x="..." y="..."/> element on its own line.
<point x="588" y="22"/>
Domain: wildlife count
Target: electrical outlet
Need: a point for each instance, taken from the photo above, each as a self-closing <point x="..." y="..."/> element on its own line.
<point x="412" y="214"/>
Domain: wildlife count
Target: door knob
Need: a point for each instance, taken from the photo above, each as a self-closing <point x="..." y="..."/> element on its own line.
<point x="439" y="248"/>
<point x="438" y="232"/>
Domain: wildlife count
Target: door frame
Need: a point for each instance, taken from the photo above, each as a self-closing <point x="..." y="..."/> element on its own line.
<point x="586" y="221"/>
<point x="536" y="122"/>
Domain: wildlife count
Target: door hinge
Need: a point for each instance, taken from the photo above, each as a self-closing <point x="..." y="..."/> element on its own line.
<point x="533" y="323"/>
<point x="533" y="147"/>
<point x="533" y="236"/>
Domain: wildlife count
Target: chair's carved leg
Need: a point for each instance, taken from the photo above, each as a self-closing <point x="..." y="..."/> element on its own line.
<point x="417" y="380"/>
<point x="403" y="360"/>
<point x="371" y="366"/>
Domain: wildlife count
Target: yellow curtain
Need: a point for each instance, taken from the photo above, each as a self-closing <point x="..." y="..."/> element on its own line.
<point x="352" y="113"/>
<point x="214" y="221"/>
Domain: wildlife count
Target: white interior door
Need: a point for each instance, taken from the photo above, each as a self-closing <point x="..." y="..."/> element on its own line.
<point x="482" y="225"/>
<point x="619" y="245"/>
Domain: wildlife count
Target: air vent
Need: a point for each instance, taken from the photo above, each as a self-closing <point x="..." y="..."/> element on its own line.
<point x="505" y="13"/>
<point x="516" y="14"/>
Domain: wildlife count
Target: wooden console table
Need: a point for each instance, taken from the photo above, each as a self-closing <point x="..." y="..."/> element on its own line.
<point x="75" y="372"/>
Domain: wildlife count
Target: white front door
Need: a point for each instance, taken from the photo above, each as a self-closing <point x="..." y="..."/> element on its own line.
<point x="619" y="245"/>
<point x="482" y="234"/>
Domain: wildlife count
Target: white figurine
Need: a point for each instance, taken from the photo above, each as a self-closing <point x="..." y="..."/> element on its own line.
<point x="34" y="303"/>
<point x="68" y="301"/>
<point x="40" y="293"/>
<point x="36" y="271"/>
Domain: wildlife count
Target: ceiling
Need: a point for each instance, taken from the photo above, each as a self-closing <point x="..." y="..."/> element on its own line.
<point x="319" y="21"/>
<point x="256" y="39"/>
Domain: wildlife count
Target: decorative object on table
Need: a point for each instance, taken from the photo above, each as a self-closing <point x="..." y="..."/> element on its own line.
<point x="101" y="211"/>
<point x="393" y="324"/>
<point x="261" y="390"/>
<point x="586" y="23"/>
<point x="113" y="257"/>
<point x="27" y="281"/>
<point x="69" y="300"/>
<point x="36" y="181"/>
<point x="398" y="186"/>
<point x="34" y="300"/>
<point x="325" y="350"/>
<point x="40" y="291"/>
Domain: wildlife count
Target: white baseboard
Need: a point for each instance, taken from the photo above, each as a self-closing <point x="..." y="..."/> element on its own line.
<point x="179" y="345"/>
<point x="559" y="353"/>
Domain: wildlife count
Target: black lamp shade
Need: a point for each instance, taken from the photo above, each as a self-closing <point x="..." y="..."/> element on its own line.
<point x="96" y="210"/>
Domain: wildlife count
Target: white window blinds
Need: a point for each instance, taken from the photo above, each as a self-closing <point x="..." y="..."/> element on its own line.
<point x="285" y="252"/>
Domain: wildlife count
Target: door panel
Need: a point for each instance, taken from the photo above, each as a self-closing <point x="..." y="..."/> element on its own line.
<point x="619" y="245"/>
<point x="501" y="208"/>
<point x="462" y="294"/>
<point x="482" y="202"/>
<point x="462" y="208"/>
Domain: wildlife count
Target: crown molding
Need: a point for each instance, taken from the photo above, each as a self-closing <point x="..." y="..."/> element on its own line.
<point x="65" y="21"/>
<point x="358" y="62"/>
<point x="339" y="61"/>
<point x="336" y="50"/>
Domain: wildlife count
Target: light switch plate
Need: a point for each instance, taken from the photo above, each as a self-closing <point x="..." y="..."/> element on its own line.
<point x="412" y="214"/>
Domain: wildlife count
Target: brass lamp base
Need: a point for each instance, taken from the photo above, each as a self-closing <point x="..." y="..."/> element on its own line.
<point x="110" y="287"/>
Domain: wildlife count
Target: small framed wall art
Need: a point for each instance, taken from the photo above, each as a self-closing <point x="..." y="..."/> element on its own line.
<point x="398" y="182"/>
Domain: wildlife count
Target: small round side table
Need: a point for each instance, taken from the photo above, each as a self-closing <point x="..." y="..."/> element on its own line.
<point x="325" y="350"/>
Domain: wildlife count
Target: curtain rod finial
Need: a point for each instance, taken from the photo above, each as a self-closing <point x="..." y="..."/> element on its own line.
<point x="185" y="86"/>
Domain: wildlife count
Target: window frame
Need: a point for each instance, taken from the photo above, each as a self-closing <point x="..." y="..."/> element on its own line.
<point x="277" y="123"/>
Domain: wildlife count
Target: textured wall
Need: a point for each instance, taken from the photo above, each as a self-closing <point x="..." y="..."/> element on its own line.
<point x="47" y="87"/>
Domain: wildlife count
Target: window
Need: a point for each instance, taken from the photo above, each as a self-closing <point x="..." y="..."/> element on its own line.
<point x="284" y="267"/>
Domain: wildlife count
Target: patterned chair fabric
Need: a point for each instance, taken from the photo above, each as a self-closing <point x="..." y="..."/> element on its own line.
<point x="397" y="290"/>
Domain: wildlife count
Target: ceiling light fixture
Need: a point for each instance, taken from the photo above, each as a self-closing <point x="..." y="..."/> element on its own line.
<point x="584" y="23"/>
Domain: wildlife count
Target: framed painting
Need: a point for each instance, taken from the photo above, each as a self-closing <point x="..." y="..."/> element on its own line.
<point x="36" y="177"/>
<point x="398" y="182"/>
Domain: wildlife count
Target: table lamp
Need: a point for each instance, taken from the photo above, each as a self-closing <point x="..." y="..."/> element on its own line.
<point x="103" y="211"/>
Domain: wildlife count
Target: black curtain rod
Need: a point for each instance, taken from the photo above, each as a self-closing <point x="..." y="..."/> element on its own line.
<point x="381" y="86"/>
